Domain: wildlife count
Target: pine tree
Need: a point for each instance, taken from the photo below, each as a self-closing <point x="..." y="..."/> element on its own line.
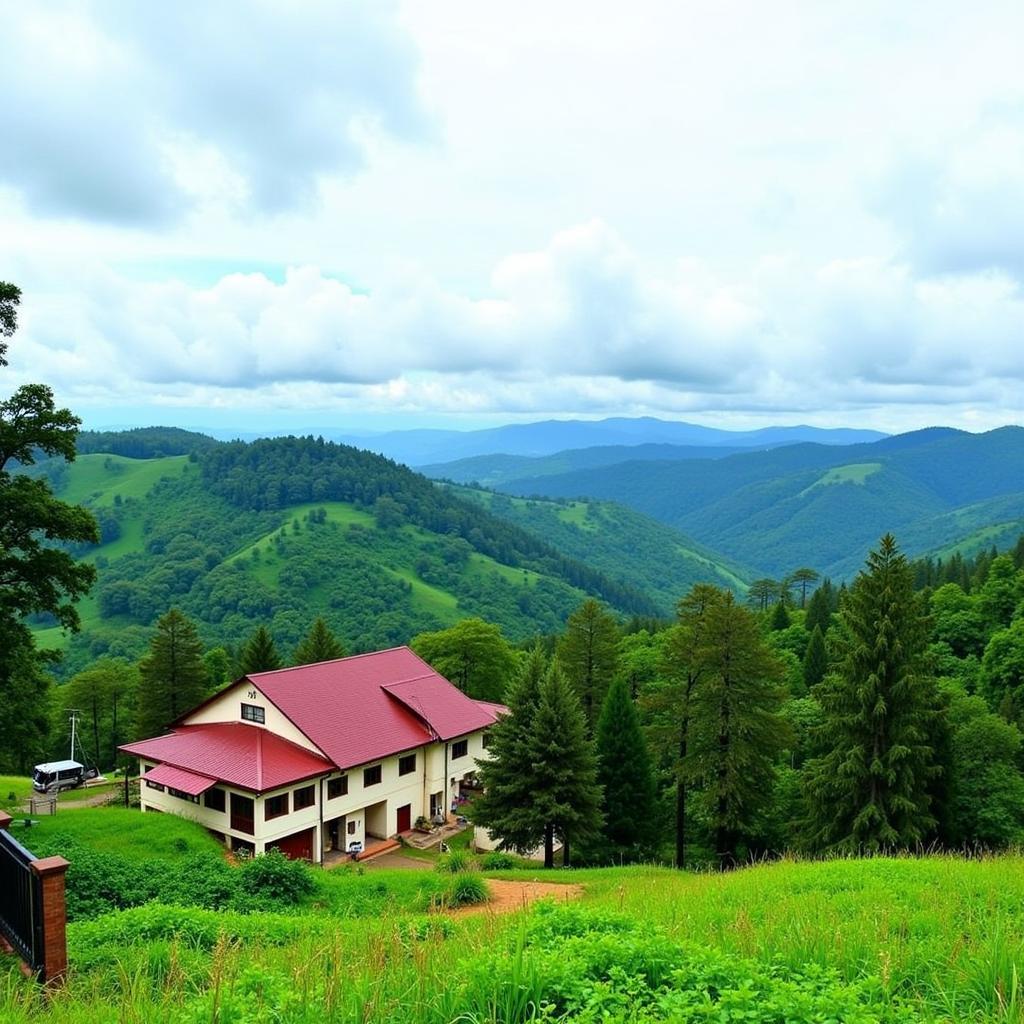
<point x="567" y="796"/>
<point x="803" y="578"/>
<point x="588" y="655"/>
<point x="815" y="659"/>
<point x="736" y="730"/>
<point x="173" y="676"/>
<point x="624" y="773"/>
<point x="506" y="808"/>
<point x="319" y="644"/>
<point x="683" y="669"/>
<point x="260" y="653"/>
<point x="871" y="789"/>
<point x="780" y="618"/>
<point x="819" y="611"/>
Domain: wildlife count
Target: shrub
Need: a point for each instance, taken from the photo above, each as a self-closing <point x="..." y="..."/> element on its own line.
<point x="498" y="860"/>
<point x="467" y="888"/>
<point x="274" y="879"/>
<point x="454" y="862"/>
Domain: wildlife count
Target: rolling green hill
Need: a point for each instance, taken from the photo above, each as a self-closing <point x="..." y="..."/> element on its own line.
<point x="622" y="542"/>
<point x="232" y="537"/>
<point x="824" y="506"/>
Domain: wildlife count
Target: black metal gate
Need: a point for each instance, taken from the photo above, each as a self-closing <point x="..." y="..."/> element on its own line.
<point x="21" y="901"/>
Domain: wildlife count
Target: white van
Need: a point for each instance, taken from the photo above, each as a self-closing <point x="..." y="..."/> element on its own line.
<point x="54" y="776"/>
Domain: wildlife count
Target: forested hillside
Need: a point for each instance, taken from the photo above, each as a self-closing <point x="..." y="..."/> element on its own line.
<point x="278" y="531"/>
<point x="819" y="505"/>
<point x="622" y="542"/>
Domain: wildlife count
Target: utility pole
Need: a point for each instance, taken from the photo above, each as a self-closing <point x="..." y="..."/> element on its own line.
<point x="73" y="714"/>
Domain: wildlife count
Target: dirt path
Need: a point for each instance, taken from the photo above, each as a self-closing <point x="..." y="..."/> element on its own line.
<point x="507" y="897"/>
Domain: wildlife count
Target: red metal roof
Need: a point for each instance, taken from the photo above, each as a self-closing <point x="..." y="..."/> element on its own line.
<point x="366" y="707"/>
<point x="241" y="755"/>
<point x="178" y="778"/>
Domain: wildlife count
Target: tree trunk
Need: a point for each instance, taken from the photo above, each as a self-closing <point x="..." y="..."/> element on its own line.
<point x="549" y="846"/>
<point x="684" y="729"/>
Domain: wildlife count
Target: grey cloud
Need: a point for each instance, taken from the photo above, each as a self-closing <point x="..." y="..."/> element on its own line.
<point x="281" y="93"/>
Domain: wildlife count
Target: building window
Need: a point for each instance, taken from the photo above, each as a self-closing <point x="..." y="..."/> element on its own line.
<point x="337" y="787"/>
<point x="275" y="806"/>
<point x="214" y="799"/>
<point x="183" y="796"/>
<point x="371" y="776"/>
<point x="351" y="828"/>
<point x="460" y="749"/>
<point x="252" y="713"/>
<point x="485" y="739"/>
<point x="304" y="797"/>
<point x="407" y="764"/>
<point x="155" y="785"/>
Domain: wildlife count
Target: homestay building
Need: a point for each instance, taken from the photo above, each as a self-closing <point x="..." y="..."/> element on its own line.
<point x="338" y="756"/>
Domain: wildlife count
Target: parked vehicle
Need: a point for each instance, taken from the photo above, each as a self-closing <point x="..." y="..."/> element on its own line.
<point x="53" y="776"/>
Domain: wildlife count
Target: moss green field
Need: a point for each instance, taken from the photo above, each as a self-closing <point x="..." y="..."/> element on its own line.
<point x="909" y="939"/>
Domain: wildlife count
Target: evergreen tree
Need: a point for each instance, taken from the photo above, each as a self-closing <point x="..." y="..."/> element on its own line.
<point x="761" y="593"/>
<point x="819" y="611"/>
<point x="683" y="669"/>
<point x="625" y="776"/>
<point x="506" y="808"/>
<point x="588" y="655"/>
<point x="736" y="729"/>
<point x="871" y="789"/>
<point x="803" y="578"/>
<point x="567" y="797"/>
<point x="320" y="644"/>
<point x="172" y="676"/>
<point x="780" y="617"/>
<point x="260" y="653"/>
<point x="815" y="659"/>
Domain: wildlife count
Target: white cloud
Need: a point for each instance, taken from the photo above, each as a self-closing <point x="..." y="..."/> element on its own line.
<point x="135" y="113"/>
<point x="719" y="207"/>
<point x="579" y="325"/>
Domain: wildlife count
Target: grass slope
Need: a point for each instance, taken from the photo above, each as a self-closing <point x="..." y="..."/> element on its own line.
<point x="880" y="941"/>
<point x="621" y="542"/>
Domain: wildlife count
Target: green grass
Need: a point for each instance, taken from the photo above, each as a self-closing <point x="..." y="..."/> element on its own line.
<point x="933" y="939"/>
<point x="906" y="940"/>
<point x="855" y="473"/>
<point x="98" y="479"/>
<point x="128" y="832"/>
<point x="19" y="785"/>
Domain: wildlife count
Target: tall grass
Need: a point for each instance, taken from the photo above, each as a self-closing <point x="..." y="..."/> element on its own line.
<point x="932" y="939"/>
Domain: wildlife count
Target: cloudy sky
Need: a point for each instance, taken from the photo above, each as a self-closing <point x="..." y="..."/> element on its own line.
<point x="377" y="214"/>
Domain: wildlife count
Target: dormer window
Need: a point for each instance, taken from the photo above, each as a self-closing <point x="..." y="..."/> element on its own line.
<point x="253" y="713"/>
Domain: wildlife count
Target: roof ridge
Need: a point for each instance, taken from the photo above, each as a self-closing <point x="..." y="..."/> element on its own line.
<point x="330" y="661"/>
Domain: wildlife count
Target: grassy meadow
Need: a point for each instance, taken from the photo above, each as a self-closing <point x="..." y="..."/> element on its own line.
<point x="929" y="939"/>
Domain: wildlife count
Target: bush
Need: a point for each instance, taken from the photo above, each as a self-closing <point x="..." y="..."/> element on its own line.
<point x="466" y="889"/>
<point x="498" y="860"/>
<point x="454" y="862"/>
<point x="272" y="878"/>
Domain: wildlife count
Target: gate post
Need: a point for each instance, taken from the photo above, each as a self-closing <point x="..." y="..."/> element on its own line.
<point x="5" y="820"/>
<point x="50" y="871"/>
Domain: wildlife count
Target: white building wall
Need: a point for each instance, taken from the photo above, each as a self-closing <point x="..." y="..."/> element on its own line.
<point x="227" y="707"/>
<point x="393" y="790"/>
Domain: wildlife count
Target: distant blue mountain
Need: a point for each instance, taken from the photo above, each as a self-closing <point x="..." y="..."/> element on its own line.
<point x="429" y="447"/>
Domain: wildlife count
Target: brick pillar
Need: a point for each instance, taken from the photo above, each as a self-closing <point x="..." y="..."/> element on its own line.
<point x="55" y="953"/>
